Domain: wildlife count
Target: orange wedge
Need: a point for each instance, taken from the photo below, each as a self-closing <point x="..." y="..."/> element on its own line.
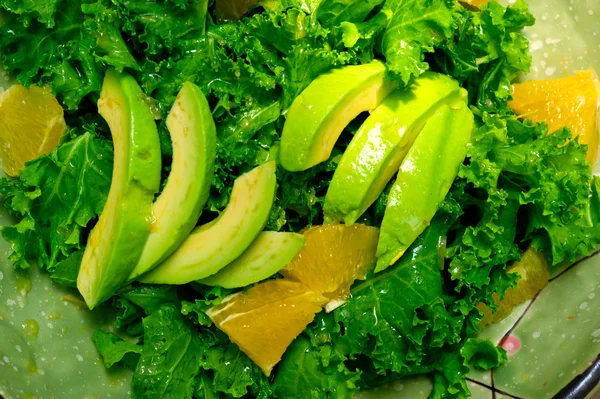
<point x="571" y="101"/>
<point x="265" y="320"/>
<point x="333" y="257"/>
<point x="475" y="3"/>
<point x="533" y="270"/>
<point x="31" y="124"/>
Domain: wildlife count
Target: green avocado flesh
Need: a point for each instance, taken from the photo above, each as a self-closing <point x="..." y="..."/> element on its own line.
<point x="116" y="242"/>
<point x="213" y="246"/>
<point x="269" y="253"/>
<point x="378" y="148"/>
<point x="320" y="113"/>
<point x="177" y="209"/>
<point x="424" y="180"/>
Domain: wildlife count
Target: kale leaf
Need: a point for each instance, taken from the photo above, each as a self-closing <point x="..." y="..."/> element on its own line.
<point x="170" y="358"/>
<point x="488" y="52"/>
<point x="114" y="349"/>
<point x="546" y="175"/>
<point x="56" y="198"/>
<point x="415" y="28"/>
<point x="518" y="186"/>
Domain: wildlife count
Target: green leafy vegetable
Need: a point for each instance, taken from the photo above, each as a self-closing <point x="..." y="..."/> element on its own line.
<point x="113" y="349"/>
<point x="488" y="52"/>
<point x="128" y="317"/>
<point x="234" y="373"/>
<point x="403" y="324"/>
<point x="335" y="12"/>
<point x="391" y="327"/>
<point x="310" y="372"/>
<point x="416" y="27"/>
<point x="60" y="52"/>
<point x="56" y="198"/>
<point x="482" y="354"/>
<point x="164" y="27"/>
<point x="27" y="11"/>
<point x="102" y="25"/>
<point x="66" y="271"/>
<point x="359" y="35"/>
<point x="210" y="296"/>
<point x="170" y="357"/>
<point x="518" y="162"/>
<point x="134" y="302"/>
<point x="518" y="186"/>
<point x="150" y="297"/>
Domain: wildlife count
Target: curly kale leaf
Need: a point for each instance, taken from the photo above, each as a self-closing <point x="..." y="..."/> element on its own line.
<point x="547" y="176"/>
<point x="416" y="27"/>
<point x="488" y="52"/>
<point x="70" y="54"/>
<point x="56" y="198"/>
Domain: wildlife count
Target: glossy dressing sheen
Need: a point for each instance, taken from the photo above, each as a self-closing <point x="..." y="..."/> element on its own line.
<point x="320" y="113"/>
<point x="378" y="148"/>
<point x="424" y="179"/>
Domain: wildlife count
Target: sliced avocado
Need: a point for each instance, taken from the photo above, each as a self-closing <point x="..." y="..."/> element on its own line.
<point x="177" y="209"/>
<point x="424" y="180"/>
<point x="214" y="245"/>
<point x="116" y="242"/>
<point x="269" y="253"/>
<point x="378" y="148"/>
<point x="320" y="113"/>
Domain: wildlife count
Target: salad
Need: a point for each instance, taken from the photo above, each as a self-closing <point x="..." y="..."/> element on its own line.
<point x="290" y="198"/>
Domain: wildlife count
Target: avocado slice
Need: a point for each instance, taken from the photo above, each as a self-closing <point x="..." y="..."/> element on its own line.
<point x="378" y="148"/>
<point x="320" y="113"/>
<point x="214" y="245"/>
<point x="424" y="180"/>
<point x="269" y="253"/>
<point x="177" y="209"/>
<point x="116" y="242"/>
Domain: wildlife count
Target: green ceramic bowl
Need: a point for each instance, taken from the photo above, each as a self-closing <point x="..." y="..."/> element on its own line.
<point x="553" y="341"/>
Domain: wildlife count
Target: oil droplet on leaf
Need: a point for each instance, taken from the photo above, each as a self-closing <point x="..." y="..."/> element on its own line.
<point x="23" y="284"/>
<point x="74" y="301"/>
<point x="54" y="315"/>
<point x="32" y="367"/>
<point x="31" y="329"/>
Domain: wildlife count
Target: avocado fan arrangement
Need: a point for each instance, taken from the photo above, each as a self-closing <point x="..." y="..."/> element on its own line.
<point x="287" y="199"/>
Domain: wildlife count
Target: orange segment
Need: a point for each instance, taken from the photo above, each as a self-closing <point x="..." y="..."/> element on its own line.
<point x="31" y="124"/>
<point x="265" y="320"/>
<point x="333" y="257"/>
<point x="571" y="101"/>
<point x="534" y="277"/>
<point x="475" y="3"/>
